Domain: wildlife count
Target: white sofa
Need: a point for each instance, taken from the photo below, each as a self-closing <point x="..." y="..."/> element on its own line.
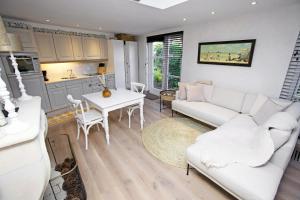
<point x="230" y="107"/>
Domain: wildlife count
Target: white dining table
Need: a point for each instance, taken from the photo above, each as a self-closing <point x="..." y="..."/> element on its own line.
<point x="119" y="98"/>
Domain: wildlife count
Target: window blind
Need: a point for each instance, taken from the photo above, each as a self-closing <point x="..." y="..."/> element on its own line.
<point x="291" y="85"/>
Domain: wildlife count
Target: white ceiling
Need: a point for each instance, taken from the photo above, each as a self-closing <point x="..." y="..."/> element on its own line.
<point x="126" y="16"/>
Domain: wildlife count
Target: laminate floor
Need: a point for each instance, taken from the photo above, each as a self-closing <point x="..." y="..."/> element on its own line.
<point x="124" y="170"/>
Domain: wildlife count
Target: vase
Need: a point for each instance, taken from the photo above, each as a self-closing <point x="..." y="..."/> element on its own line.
<point x="106" y="92"/>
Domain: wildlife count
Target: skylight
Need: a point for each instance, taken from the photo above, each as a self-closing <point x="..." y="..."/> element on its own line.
<point x="160" y="4"/>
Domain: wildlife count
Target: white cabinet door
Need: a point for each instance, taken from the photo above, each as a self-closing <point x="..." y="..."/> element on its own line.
<point x="118" y="62"/>
<point x="77" y="47"/>
<point x="45" y="46"/>
<point x="58" y="97"/>
<point x="103" y="48"/>
<point x="75" y="90"/>
<point x="63" y="47"/>
<point x="132" y="60"/>
<point x="91" y="48"/>
<point x="26" y="37"/>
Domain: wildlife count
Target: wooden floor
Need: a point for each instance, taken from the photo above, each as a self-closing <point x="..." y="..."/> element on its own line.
<point x="125" y="170"/>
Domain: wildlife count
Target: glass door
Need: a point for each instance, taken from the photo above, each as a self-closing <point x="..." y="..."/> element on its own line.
<point x="156" y="67"/>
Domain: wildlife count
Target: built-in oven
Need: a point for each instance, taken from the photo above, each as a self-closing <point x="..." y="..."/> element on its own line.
<point x="27" y="63"/>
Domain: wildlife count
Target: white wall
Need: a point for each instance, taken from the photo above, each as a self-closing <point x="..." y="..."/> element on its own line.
<point x="275" y="33"/>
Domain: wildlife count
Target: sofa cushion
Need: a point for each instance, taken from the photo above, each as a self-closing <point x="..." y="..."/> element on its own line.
<point x="259" y="101"/>
<point x="259" y="183"/>
<point x="195" y="93"/>
<point x="248" y="103"/>
<point x="208" y="91"/>
<point x="279" y="137"/>
<point x="294" y="110"/>
<point x="282" y="121"/>
<point x="204" y="111"/>
<point x="268" y="109"/>
<point x="228" y="98"/>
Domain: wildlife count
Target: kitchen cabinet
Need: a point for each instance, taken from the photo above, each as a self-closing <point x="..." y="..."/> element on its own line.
<point x="26" y="37"/>
<point x="63" y="47"/>
<point x="74" y="88"/>
<point x="103" y="48"/>
<point x="45" y="47"/>
<point x="77" y="47"/>
<point x="57" y="95"/>
<point x="34" y="85"/>
<point x="91" y="48"/>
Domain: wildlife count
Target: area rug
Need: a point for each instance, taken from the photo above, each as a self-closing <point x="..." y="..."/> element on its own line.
<point x="168" y="139"/>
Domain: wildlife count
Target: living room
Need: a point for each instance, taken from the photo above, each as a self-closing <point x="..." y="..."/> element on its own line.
<point x="149" y="99"/>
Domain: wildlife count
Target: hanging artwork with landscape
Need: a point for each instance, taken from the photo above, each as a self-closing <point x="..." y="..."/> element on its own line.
<point x="238" y="52"/>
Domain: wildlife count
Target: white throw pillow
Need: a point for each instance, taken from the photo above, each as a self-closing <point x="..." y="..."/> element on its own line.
<point x="195" y="93"/>
<point x="260" y="100"/>
<point x="282" y="121"/>
<point x="182" y="90"/>
<point x="279" y="137"/>
<point x="294" y="110"/>
<point x="268" y="109"/>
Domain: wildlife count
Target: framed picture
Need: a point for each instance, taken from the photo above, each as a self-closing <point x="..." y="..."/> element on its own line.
<point x="237" y="52"/>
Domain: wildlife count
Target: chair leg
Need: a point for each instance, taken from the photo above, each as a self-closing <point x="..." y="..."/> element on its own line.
<point x="78" y="131"/>
<point x="121" y="113"/>
<point x="188" y="169"/>
<point x="98" y="127"/>
<point x="129" y="117"/>
<point x="86" y="137"/>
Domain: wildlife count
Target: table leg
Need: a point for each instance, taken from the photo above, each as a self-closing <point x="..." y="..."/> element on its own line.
<point x="106" y="126"/>
<point x="142" y="113"/>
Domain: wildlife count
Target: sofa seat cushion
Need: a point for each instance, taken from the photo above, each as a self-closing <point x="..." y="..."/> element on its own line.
<point x="258" y="183"/>
<point x="204" y="111"/>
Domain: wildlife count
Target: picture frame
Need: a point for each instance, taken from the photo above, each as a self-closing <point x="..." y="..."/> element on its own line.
<point x="235" y="52"/>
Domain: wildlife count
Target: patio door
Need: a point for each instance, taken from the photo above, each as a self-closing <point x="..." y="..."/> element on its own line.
<point x="164" y="58"/>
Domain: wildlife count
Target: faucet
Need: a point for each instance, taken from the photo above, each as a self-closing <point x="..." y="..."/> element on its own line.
<point x="70" y="71"/>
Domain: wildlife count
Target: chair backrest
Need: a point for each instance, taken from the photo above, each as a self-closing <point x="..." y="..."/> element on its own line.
<point x="137" y="87"/>
<point x="76" y="106"/>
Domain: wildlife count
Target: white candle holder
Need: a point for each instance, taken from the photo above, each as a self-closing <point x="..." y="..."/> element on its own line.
<point x="14" y="124"/>
<point x="24" y="95"/>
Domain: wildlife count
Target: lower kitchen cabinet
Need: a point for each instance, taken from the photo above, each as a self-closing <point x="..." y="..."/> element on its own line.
<point x="75" y="88"/>
<point x="34" y="85"/>
<point x="57" y="96"/>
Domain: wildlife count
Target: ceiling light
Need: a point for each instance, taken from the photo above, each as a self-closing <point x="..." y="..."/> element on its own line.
<point x="213" y="12"/>
<point x="184" y="19"/>
<point x="253" y="2"/>
<point x="160" y="4"/>
<point x="47" y="20"/>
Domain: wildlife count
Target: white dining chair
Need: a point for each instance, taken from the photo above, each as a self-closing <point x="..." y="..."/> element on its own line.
<point x="85" y="119"/>
<point x="135" y="87"/>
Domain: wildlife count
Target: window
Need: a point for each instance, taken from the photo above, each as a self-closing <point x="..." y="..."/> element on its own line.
<point x="291" y="86"/>
<point x="165" y="60"/>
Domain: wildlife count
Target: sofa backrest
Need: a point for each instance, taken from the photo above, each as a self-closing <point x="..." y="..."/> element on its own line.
<point x="249" y="101"/>
<point x="228" y="98"/>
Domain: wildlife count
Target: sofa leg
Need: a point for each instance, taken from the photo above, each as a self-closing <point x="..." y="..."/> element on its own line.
<point x="172" y="113"/>
<point x="188" y="169"/>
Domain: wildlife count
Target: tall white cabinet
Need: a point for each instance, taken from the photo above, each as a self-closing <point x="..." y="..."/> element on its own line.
<point x="124" y="59"/>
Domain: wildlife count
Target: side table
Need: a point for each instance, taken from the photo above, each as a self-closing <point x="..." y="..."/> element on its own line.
<point x="166" y="96"/>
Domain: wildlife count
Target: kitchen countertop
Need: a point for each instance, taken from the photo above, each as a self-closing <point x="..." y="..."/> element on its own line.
<point x="58" y="80"/>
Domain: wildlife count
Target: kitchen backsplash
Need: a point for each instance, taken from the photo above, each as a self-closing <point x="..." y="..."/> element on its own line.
<point x="59" y="70"/>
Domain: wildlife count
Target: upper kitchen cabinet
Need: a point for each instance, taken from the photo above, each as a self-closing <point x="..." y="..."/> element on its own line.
<point x="103" y="48"/>
<point x="26" y="37"/>
<point x="63" y="47"/>
<point x="91" y="48"/>
<point x="45" y="46"/>
<point x="77" y="47"/>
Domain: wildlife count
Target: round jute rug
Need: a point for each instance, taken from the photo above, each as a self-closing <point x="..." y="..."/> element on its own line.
<point x="168" y="139"/>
